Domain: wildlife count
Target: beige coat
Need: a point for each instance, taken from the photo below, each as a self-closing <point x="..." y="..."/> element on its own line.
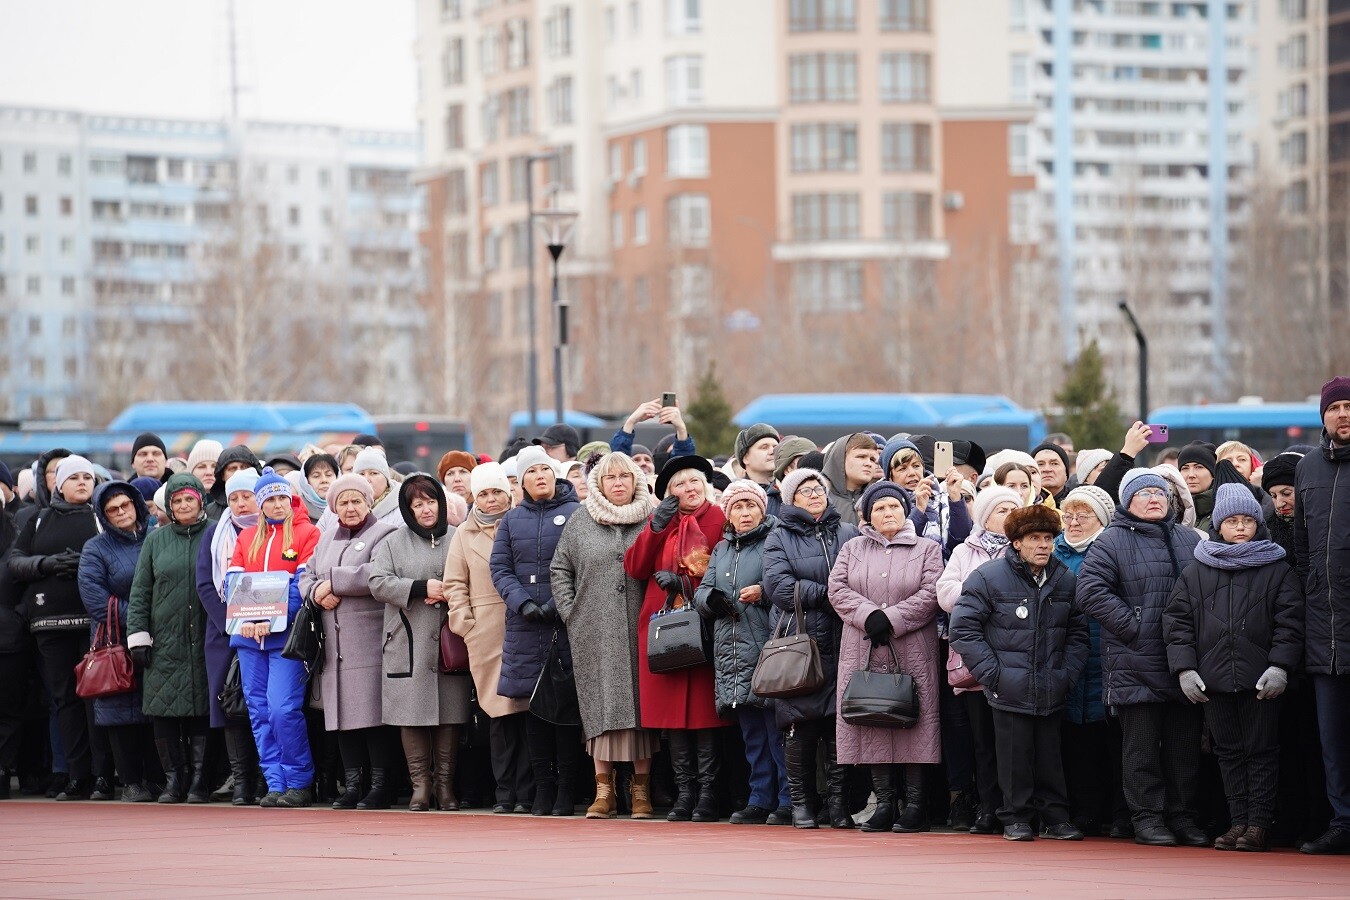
<point x="477" y="612"/>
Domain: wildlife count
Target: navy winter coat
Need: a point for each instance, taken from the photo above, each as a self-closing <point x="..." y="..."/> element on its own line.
<point x="107" y="567"/>
<point x="1124" y="584"/>
<point x="1026" y="664"/>
<point x="1322" y="548"/>
<point x="1084" y="706"/>
<point x="800" y="553"/>
<point x="737" y="562"/>
<point x="521" y="555"/>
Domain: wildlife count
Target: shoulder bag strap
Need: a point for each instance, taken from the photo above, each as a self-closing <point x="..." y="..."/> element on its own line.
<point x="113" y="621"/>
<point x="797" y="606"/>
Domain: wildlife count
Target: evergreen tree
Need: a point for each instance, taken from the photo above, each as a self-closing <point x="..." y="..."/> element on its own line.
<point x="708" y="416"/>
<point x="1091" y="416"/>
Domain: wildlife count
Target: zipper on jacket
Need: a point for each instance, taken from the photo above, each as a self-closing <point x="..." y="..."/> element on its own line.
<point x="1331" y="603"/>
<point x="735" y="664"/>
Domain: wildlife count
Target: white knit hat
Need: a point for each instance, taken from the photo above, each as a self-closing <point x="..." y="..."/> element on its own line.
<point x="1097" y="499"/>
<point x="485" y="476"/>
<point x="371" y="458"/>
<point x="243" y="480"/>
<point x="204" y="451"/>
<point x="987" y="499"/>
<point x="70" y="465"/>
<point x="1089" y="460"/>
<point x="535" y="456"/>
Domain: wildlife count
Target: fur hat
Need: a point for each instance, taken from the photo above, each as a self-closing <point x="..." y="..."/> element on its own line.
<point x="349" y="482"/>
<point x="1235" y="500"/>
<point x="71" y="465"/>
<point x="370" y="459"/>
<point x="744" y="489"/>
<point x="486" y="476"/>
<point x="794" y="480"/>
<point x="1280" y="470"/>
<point x="987" y="499"/>
<point x="454" y="458"/>
<point x="1056" y="449"/>
<point x="244" y="480"/>
<point x="532" y="456"/>
<point x="204" y="451"/>
<point x="878" y="490"/>
<point x="1198" y="452"/>
<point x="788" y="450"/>
<point x="1136" y="480"/>
<point x="270" y="484"/>
<point x="1334" y="391"/>
<point x="1027" y="520"/>
<point x="1089" y="460"/>
<point x="751" y="436"/>
<point x="1097" y="500"/>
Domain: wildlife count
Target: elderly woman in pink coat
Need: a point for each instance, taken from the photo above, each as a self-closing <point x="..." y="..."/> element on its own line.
<point x="884" y="587"/>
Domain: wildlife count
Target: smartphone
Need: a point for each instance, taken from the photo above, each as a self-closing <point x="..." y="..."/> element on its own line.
<point x="942" y="458"/>
<point x="668" y="399"/>
<point x="1159" y="435"/>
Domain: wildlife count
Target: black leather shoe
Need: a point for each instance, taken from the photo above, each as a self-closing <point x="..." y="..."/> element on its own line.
<point x="1065" y="832"/>
<point x="1155" y="836"/>
<point x="137" y="793"/>
<point x="501" y="808"/>
<point x="76" y="789"/>
<point x="520" y="808"/>
<point x="1018" y="831"/>
<point x="751" y="815"/>
<point x="1191" y="836"/>
<point x="103" y="790"/>
<point x="780" y="816"/>
<point x="1121" y="830"/>
<point x="985" y="823"/>
<point x="295" y="798"/>
<point x="1335" y="842"/>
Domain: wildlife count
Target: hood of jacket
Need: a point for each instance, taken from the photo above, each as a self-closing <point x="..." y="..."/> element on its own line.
<point x="833" y="469"/>
<point x="237" y="453"/>
<point x="105" y="492"/>
<point x="405" y="507"/>
<point x="41" y="495"/>
<point x="177" y="483"/>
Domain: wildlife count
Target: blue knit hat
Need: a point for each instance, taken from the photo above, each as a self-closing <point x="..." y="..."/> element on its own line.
<point x="1235" y="500"/>
<point x="880" y="489"/>
<point x="1136" y="480"/>
<point x="270" y="484"/>
<point x="894" y="446"/>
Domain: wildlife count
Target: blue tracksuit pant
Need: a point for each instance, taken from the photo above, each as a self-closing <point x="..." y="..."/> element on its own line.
<point x="274" y="688"/>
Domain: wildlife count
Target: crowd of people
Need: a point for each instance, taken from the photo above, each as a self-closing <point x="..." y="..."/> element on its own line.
<point x="1092" y="645"/>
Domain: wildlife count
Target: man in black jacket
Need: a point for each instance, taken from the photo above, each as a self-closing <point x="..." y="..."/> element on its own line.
<point x="1322" y="551"/>
<point x="1022" y="634"/>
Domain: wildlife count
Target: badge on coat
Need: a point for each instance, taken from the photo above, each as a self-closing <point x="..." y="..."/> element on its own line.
<point x="560" y="519"/>
<point x="360" y="545"/>
<point x="1022" y="612"/>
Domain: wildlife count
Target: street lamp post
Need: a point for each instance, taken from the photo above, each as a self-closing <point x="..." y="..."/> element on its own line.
<point x="1143" y="359"/>
<point x="557" y="226"/>
<point x="532" y="385"/>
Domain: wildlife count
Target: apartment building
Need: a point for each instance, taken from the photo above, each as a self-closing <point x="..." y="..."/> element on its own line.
<point x="133" y="249"/>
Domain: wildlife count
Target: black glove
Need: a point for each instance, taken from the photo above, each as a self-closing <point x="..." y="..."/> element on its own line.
<point x="67" y="564"/>
<point x="665" y="512"/>
<point x="533" y="613"/>
<point x="667" y="581"/>
<point x="48" y="565"/>
<point x="550" y="613"/>
<point x="878" y="628"/>
<point x="141" y="657"/>
<point x="721" y="605"/>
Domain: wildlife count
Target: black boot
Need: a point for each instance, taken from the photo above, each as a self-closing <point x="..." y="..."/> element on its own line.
<point x="836" y="776"/>
<point x="883" y="783"/>
<point x="198" y="791"/>
<point x="708" y="766"/>
<point x="565" y="800"/>
<point x="171" y="757"/>
<point x="352" y="795"/>
<point x="243" y="756"/>
<point x="796" y="756"/>
<point x="379" y="796"/>
<point x="545" y="786"/>
<point x="915" y="817"/>
<point x="684" y="761"/>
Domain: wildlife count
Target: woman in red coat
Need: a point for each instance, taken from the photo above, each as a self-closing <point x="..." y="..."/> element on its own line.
<point x="671" y="553"/>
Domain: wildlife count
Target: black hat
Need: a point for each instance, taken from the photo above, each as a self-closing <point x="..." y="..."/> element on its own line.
<point x="720" y="480"/>
<point x="751" y="436"/>
<point x="289" y="459"/>
<point x="1280" y="470"/>
<point x="562" y="434"/>
<point x="661" y="454"/>
<point x="404" y="468"/>
<point x="148" y="439"/>
<point x="512" y="448"/>
<point x="679" y="464"/>
<point x="813" y="460"/>
<point x="367" y="440"/>
<point x="5" y="477"/>
<point x="925" y="444"/>
<point x="968" y="453"/>
<point x="1047" y="445"/>
<point x="1198" y="452"/>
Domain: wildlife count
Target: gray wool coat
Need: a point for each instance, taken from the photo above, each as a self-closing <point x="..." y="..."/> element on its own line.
<point x="599" y="603"/>
<point x="353" y="633"/>
<point x="414" y="692"/>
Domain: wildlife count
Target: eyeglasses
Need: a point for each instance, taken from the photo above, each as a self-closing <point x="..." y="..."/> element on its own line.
<point x="1076" y="518"/>
<point x="1151" y="494"/>
<point x="120" y="507"/>
<point x="811" y="491"/>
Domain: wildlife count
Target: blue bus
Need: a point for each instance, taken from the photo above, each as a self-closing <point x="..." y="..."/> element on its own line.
<point x="1265" y="427"/>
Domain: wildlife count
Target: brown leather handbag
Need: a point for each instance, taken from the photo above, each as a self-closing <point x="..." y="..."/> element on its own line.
<point x="106" y="669"/>
<point x="454" y="652"/>
<point x="789" y="665"/>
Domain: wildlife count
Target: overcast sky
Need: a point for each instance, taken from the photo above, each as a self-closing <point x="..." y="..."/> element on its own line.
<point x="346" y="62"/>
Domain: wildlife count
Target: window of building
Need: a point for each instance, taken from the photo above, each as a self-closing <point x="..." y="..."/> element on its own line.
<point x="487" y="51"/>
<point x="558" y="31"/>
<point x="1017" y="15"/>
<point x="615" y="161"/>
<point x="635" y="85"/>
<point x="559" y="99"/>
<point x="640" y="236"/>
<point x="292" y="174"/>
<point x="293" y="216"/>
<point x="30" y="204"/>
<point x="817" y="217"/>
<point x="907" y="215"/>
<point x="688" y="220"/>
<point x="904" y="77"/>
<point x="519" y="118"/>
<point x="825" y="147"/>
<point x="1021" y="207"/>
<point x="37" y="367"/>
<point x="616" y="229"/>
<point x="520" y="244"/>
<point x="32" y="244"/>
<point x="690" y="289"/>
<point x="634" y="17"/>
<point x="492" y="249"/>
<point x="684" y="17"/>
<point x="33" y="285"/>
<point x="904" y="15"/>
<point x="325" y="178"/>
<point x="451" y="9"/>
<point x="488" y="184"/>
<point x="828" y="287"/>
<point x="35" y="326"/>
<point x="517" y="44"/>
<point x="452" y="62"/>
<point x="642" y="294"/>
<point x="639" y="156"/>
<point x="107" y="166"/>
<point x="29" y="163"/>
<point x="687" y="151"/>
<point x="520" y="177"/>
<point x="63" y="166"/>
<point x="823" y="77"/>
<point x="1019" y="78"/>
<point x="1019" y="152"/>
<point x="561" y="170"/>
<point x="67" y="246"/>
<point x="684" y="80"/>
<point x="454" y="127"/>
<point x="822" y="15"/>
<point x="906" y="147"/>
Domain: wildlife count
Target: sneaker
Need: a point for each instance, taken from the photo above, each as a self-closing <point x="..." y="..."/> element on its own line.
<point x="1019" y="831"/>
<point x="1335" y="842"/>
<point x="75" y="789"/>
<point x="751" y="815"/>
<point x="56" y="784"/>
<point x="270" y="800"/>
<point x="1064" y="832"/>
<point x="961" y="815"/>
<point x="295" y="798"/>
<point x="137" y="793"/>
<point x="501" y="808"/>
<point x="103" y="790"/>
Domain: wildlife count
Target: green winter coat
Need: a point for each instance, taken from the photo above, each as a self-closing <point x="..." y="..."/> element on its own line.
<point x="164" y="605"/>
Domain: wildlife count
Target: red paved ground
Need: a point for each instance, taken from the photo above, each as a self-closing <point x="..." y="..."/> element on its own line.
<point x="50" y="849"/>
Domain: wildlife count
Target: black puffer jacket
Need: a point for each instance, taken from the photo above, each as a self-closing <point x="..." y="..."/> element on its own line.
<point x="1322" y="548"/>
<point x="1230" y="625"/>
<point x="800" y="553"/>
<point x="51" y="602"/>
<point x="737" y="562"/>
<point x="1027" y="662"/>
<point x="1125" y="583"/>
<point x="217" y="503"/>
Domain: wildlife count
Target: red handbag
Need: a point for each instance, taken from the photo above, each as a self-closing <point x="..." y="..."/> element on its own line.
<point x="958" y="676"/>
<point x="106" y="669"/>
<point x="454" y="652"/>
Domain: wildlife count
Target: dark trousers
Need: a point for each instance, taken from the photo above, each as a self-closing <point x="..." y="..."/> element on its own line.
<point x="180" y="728"/>
<point x="1301" y="808"/>
<point x="1245" y="733"/>
<point x="1092" y="772"/>
<point x="13" y="705"/>
<point x="133" y="751"/>
<point x="958" y="744"/>
<point x="1030" y="771"/>
<point x="1333" y="722"/>
<point x="1160" y="762"/>
<point x="367" y="748"/>
<point x="986" y="752"/>
<point x="510" y="752"/>
<point x="58" y="653"/>
<point x="554" y="749"/>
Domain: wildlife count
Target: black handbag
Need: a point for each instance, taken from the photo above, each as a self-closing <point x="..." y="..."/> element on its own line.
<point x="789" y="665"/>
<point x="554" y="698"/>
<point x="231" y="696"/>
<point x="880" y="699"/>
<point x="677" y="638"/>
<point x="305" y="640"/>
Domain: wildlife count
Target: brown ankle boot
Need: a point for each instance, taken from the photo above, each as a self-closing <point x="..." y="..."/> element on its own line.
<point x="446" y="760"/>
<point x="1253" y="840"/>
<point x="417" y="749"/>
<point x="640" y="797"/>
<point x="604" y="805"/>
<point x="1229" y="839"/>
